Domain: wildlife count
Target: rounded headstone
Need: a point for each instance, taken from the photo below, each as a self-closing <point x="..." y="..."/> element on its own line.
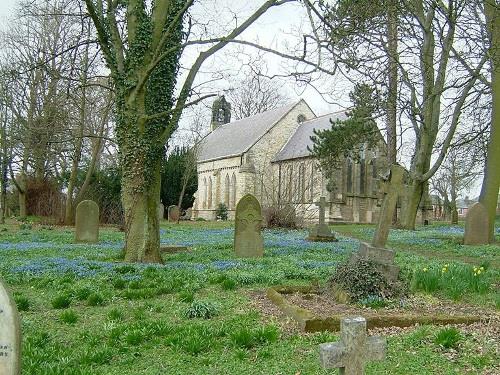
<point x="10" y="334"/>
<point x="477" y="225"/>
<point x="87" y="222"/>
<point x="173" y="213"/>
<point x="248" y="241"/>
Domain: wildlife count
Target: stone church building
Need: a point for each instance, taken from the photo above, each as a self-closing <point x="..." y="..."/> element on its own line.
<point x="267" y="155"/>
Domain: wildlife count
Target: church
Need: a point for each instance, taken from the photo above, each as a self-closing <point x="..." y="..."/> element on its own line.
<point x="267" y="155"/>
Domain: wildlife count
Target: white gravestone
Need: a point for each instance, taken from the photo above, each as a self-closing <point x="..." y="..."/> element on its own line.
<point x="354" y="349"/>
<point x="10" y="335"/>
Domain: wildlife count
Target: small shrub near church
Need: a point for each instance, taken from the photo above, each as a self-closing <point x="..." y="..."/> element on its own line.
<point x="280" y="217"/>
<point x="221" y="212"/>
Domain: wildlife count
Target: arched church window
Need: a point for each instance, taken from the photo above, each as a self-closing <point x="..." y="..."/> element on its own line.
<point x="205" y="192"/>
<point x="233" y="191"/>
<point x="290" y="182"/>
<point x="302" y="183"/>
<point x="227" y="187"/>
<point x="311" y="184"/>
<point x="209" y="199"/>
<point x="349" y="175"/>
<point x="362" y="176"/>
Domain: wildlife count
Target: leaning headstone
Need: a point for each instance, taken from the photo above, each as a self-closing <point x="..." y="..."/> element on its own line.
<point x="173" y="213"/>
<point x="87" y="222"/>
<point x="321" y="232"/>
<point x="10" y="335"/>
<point x="375" y="251"/>
<point x="354" y="349"/>
<point x="161" y="211"/>
<point x="477" y="225"/>
<point x="248" y="241"/>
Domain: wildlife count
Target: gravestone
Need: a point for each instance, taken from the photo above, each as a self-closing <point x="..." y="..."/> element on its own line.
<point x="161" y="211"/>
<point x="354" y="349"/>
<point x="10" y="335"/>
<point x="187" y="214"/>
<point x="375" y="251"/>
<point x="477" y="225"/>
<point x="173" y="213"/>
<point x="87" y="222"/>
<point x="321" y="232"/>
<point x="248" y="241"/>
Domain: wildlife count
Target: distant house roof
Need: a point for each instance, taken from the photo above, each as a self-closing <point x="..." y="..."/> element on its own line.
<point x="235" y="138"/>
<point x="296" y="147"/>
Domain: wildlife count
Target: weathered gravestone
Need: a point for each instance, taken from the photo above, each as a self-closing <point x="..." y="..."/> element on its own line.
<point x="248" y="241"/>
<point x="477" y="225"/>
<point x="187" y="214"/>
<point x="87" y="222"/>
<point x="354" y="349"/>
<point x="161" y="211"/>
<point x="10" y="335"/>
<point x="321" y="232"/>
<point x="173" y="213"/>
<point x="375" y="251"/>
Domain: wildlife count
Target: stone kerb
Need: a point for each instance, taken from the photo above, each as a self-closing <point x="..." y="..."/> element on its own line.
<point x="87" y="222"/>
<point x="10" y="334"/>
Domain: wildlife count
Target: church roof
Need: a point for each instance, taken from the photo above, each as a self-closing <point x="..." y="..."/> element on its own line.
<point x="237" y="137"/>
<point x="296" y="147"/>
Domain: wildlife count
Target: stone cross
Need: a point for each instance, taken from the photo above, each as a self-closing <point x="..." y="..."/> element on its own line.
<point x="10" y="335"/>
<point x="394" y="187"/>
<point x="322" y="205"/>
<point x="87" y="222"/>
<point x="248" y="241"/>
<point x="354" y="349"/>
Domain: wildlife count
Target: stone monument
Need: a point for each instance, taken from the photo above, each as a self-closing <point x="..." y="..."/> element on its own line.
<point x="161" y="211"/>
<point x="248" y="241"/>
<point x="321" y="232"/>
<point x="477" y="225"/>
<point x="87" y="222"/>
<point x="375" y="251"/>
<point x="354" y="349"/>
<point x="10" y="335"/>
<point x="173" y="213"/>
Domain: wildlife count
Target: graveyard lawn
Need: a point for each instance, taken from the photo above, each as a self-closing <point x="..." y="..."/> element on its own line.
<point x="85" y="312"/>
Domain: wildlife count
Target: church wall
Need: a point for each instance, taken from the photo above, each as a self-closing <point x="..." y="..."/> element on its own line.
<point x="264" y="151"/>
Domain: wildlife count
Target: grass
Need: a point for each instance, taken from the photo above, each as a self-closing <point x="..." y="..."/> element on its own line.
<point x="87" y="313"/>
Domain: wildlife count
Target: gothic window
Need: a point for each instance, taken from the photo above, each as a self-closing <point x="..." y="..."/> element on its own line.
<point x="311" y="187"/>
<point x="209" y="193"/>
<point x="205" y="192"/>
<point x="349" y="176"/>
<point x="302" y="183"/>
<point x="226" y="191"/>
<point x="374" y="176"/>
<point x="233" y="191"/>
<point x="362" y="177"/>
<point x="290" y="183"/>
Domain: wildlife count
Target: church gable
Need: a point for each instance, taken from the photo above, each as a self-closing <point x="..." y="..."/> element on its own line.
<point x="237" y="137"/>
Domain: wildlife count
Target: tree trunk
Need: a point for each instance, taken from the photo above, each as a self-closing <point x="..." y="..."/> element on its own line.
<point x="491" y="181"/>
<point x="21" y="182"/>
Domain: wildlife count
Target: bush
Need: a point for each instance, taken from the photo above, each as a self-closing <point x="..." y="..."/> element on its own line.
<point x="361" y="280"/>
<point x="202" y="309"/>
<point x="221" y="212"/>
<point x="69" y="317"/>
<point x="280" y="217"/>
<point x="23" y="303"/>
<point x="448" y="338"/>
<point x="95" y="299"/>
<point x="61" y="302"/>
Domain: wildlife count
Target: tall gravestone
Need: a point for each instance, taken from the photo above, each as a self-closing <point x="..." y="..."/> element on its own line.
<point x="87" y="222"/>
<point x="248" y="241"/>
<point x="161" y="211"/>
<point x="10" y="335"/>
<point x="375" y="251"/>
<point x="173" y="213"/>
<point x="321" y="232"/>
<point x="477" y="225"/>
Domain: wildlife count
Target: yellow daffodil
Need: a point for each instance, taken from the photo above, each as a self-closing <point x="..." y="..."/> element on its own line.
<point x="481" y="268"/>
<point x="478" y="272"/>
<point x="424" y="269"/>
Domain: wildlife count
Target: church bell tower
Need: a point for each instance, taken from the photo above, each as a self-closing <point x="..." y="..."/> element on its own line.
<point x="221" y="112"/>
